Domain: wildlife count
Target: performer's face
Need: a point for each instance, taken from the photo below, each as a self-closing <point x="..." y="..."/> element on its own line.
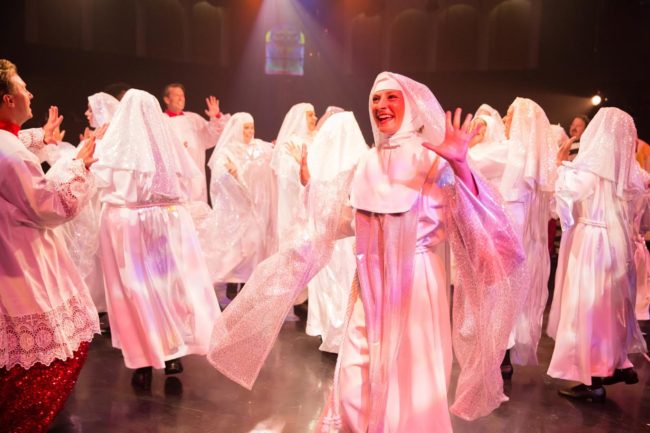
<point x="480" y="127"/>
<point x="19" y="100"/>
<point x="578" y="126"/>
<point x="175" y="99"/>
<point x="507" y="120"/>
<point x="249" y="132"/>
<point x="387" y="107"/>
<point x="89" y="115"/>
<point x="311" y="120"/>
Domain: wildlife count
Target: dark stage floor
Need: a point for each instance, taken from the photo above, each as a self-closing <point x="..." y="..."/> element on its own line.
<point x="290" y="393"/>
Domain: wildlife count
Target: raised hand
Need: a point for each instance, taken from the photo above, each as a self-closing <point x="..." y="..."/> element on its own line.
<point x="85" y="135"/>
<point x="58" y="135"/>
<point x="455" y="145"/>
<point x="53" y="123"/>
<point x="295" y="150"/>
<point x="213" y="107"/>
<point x="564" y="151"/>
<point x="457" y="137"/>
<point x="99" y="132"/>
<point x="87" y="151"/>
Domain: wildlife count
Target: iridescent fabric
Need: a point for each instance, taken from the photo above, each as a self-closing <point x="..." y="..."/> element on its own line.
<point x="103" y="107"/>
<point x="608" y="148"/>
<point x="337" y="147"/>
<point x="329" y="111"/>
<point x="240" y="231"/>
<point x="592" y="317"/>
<point x="139" y="140"/>
<point x="157" y="281"/>
<point x="532" y="157"/>
<point x="527" y="188"/>
<point x="291" y="206"/>
<point x="490" y="156"/>
<point x="245" y="332"/>
<point x="495" y="128"/>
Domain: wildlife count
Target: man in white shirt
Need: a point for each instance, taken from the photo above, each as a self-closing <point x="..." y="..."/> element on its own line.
<point x="47" y="318"/>
<point x="192" y="130"/>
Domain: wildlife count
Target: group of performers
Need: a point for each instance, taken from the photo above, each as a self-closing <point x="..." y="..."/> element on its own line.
<point x="373" y="236"/>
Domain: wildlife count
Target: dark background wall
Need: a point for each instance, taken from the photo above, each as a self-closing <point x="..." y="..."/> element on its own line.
<point x="557" y="52"/>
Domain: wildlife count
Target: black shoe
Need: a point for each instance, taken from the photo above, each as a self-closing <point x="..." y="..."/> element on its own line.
<point x="583" y="392"/>
<point x="173" y="366"/>
<point x="173" y="386"/>
<point x="141" y="378"/>
<point x="627" y="375"/>
<point x="506" y="367"/>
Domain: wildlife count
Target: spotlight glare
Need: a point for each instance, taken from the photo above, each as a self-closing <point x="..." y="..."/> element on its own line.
<point x="596" y="100"/>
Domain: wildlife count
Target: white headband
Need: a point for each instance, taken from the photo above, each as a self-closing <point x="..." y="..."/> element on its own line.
<point x="386" y="83"/>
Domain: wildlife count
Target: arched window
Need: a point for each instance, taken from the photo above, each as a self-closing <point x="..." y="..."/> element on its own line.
<point x="207" y="33"/>
<point x="366" y="42"/>
<point x="409" y="36"/>
<point x="59" y="22"/>
<point x="510" y="34"/>
<point x="458" y="34"/>
<point x="113" y="26"/>
<point x="164" y="29"/>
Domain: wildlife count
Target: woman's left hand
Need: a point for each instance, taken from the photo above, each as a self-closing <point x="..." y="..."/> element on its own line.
<point x="457" y="137"/>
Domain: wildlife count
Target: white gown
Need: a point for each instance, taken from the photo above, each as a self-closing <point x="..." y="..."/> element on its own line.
<point x="291" y="201"/>
<point x="337" y="147"/>
<point x="240" y="231"/>
<point x="157" y="283"/>
<point x="527" y="189"/>
<point x="592" y="317"/>
<point x="593" y="274"/>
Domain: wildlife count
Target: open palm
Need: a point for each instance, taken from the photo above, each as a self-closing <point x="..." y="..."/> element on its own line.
<point x="457" y="137"/>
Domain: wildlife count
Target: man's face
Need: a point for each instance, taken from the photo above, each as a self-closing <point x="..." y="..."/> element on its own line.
<point x="175" y="99"/>
<point x="249" y="132"/>
<point x="387" y="108"/>
<point x="577" y="127"/>
<point x="311" y="120"/>
<point x="19" y="100"/>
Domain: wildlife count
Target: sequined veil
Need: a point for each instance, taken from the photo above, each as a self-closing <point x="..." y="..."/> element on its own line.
<point x="103" y="107"/>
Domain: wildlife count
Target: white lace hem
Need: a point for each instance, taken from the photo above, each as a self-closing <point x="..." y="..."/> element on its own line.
<point x="46" y="337"/>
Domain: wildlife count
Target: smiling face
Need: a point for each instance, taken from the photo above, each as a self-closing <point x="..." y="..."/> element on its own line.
<point x="248" y="132"/>
<point x="387" y="108"/>
<point x="175" y="99"/>
<point x="311" y="120"/>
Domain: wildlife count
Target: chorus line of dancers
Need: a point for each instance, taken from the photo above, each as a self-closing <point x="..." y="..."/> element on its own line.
<point x="373" y="236"/>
